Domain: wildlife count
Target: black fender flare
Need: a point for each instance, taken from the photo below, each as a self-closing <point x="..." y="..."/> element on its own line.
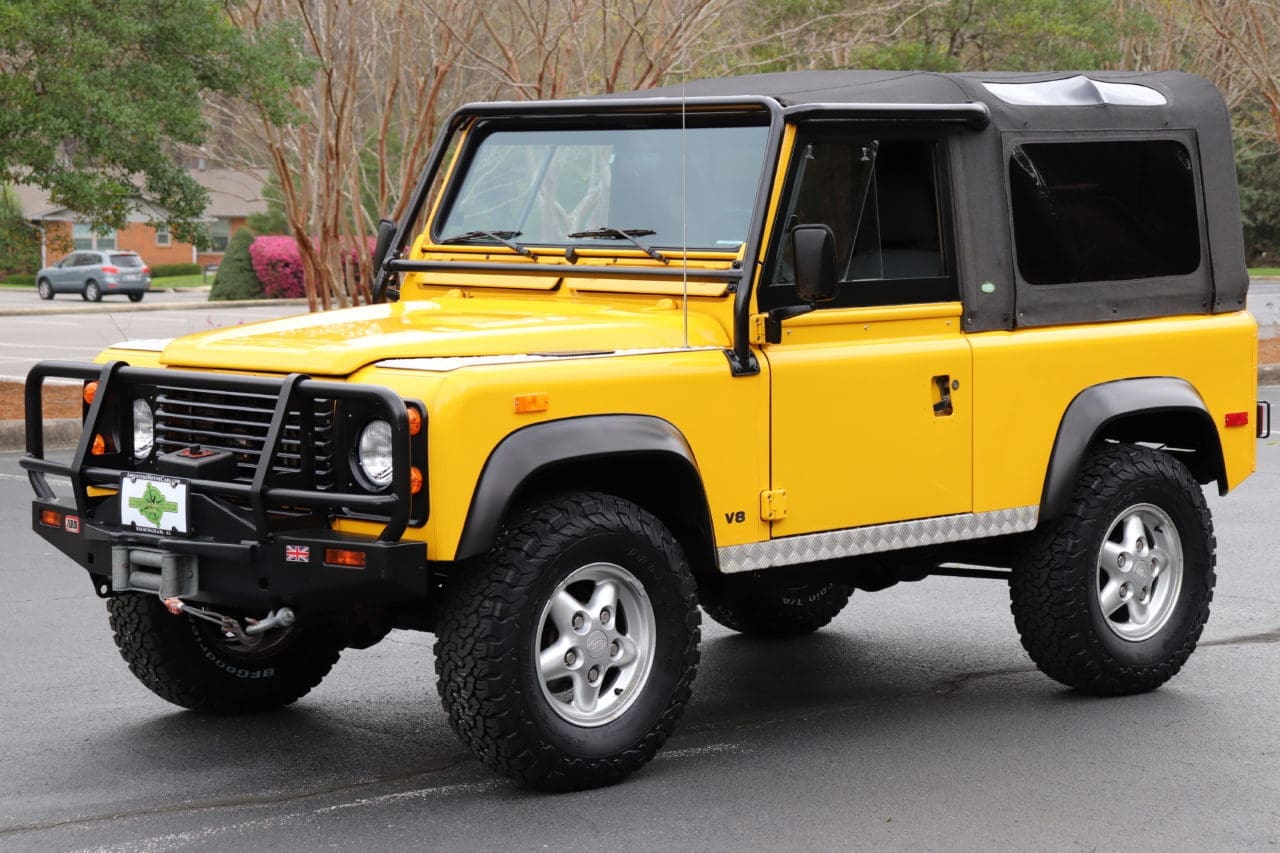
<point x="523" y="453"/>
<point x="1094" y="408"/>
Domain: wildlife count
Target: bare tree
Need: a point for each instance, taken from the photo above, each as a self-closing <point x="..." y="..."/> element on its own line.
<point x="387" y="71"/>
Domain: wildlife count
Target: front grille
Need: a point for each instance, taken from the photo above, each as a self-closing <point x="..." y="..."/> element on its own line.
<point x="238" y="422"/>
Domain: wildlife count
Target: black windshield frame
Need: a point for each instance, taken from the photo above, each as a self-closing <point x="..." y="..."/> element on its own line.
<point x="484" y="129"/>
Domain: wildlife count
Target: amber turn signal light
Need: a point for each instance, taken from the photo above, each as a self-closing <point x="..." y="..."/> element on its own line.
<point x="99" y="445"/>
<point x="526" y="403"/>
<point x="415" y="480"/>
<point x="90" y="391"/>
<point x="415" y="420"/>
<point x="50" y="518"/>
<point x="345" y="557"/>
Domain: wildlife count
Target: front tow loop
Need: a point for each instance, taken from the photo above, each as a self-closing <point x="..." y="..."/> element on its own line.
<point x="249" y="634"/>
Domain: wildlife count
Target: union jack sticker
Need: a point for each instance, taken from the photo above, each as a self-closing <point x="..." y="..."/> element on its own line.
<point x="297" y="553"/>
<point x="71" y="523"/>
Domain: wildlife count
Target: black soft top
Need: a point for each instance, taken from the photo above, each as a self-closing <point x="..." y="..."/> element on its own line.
<point x="1087" y="104"/>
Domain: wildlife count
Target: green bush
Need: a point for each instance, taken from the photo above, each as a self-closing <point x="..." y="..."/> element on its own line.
<point x="164" y="270"/>
<point x="19" y="278"/>
<point x="236" y="278"/>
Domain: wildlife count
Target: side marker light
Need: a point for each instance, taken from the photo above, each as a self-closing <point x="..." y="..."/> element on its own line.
<point x="527" y="403"/>
<point x="1237" y="419"/>
<point x="50" y="518"/>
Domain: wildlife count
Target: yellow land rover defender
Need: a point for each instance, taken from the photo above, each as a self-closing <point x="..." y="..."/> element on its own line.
<point x="746" y="345"/>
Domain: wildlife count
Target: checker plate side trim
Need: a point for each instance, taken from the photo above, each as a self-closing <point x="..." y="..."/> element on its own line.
<point x="876" y="538"/>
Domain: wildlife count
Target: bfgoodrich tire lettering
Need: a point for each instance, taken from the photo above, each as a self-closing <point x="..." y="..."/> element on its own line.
<point x="491" y="680"/>
<point x="185" y="661"/>
<point x="1129" y="504"/>
<point x="764" y="607"/>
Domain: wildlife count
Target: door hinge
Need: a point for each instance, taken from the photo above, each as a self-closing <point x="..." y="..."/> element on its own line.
<point x="757" y="328"/>
<point x="773" y="504"/>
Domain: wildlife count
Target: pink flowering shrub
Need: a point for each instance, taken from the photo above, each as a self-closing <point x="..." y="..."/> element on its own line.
<point x="278" y="265"/>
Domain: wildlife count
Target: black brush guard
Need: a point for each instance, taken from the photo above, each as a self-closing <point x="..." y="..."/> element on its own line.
<point x="248" y="532"/>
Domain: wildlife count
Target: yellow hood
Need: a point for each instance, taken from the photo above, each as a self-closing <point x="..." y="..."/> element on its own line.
<point x="336" y="343"/>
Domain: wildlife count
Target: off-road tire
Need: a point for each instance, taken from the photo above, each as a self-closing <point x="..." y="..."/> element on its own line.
<point x="490" y="627"/>
<point x="44" y="288"/>
<point x="1054" y="589"/>
<point x="180" y="660"/>
<point x="759" y="607"/>
<point x="91" y="292"/>
<point x="135" y="297"/>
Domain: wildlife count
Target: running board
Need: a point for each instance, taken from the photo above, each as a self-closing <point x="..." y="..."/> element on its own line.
<point x="876" y="539"/>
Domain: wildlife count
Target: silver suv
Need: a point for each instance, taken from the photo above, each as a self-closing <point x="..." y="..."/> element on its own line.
<point x="94" y="274"/>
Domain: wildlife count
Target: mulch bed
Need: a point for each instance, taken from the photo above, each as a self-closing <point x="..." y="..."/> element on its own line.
<point x="60" y="401"/>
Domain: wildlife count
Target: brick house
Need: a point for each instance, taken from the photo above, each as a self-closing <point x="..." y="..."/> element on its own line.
<point x="233" y="195"/>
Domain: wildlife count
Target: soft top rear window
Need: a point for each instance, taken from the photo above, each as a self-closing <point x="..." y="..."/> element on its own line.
<point x="131" y="261"/>
<point x="1104" y="211"/>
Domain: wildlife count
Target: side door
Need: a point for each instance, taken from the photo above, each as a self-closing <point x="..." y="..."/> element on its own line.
<point x="60" y="275"/>
<point x="77" y="270"/>
<point x="870" y="393"/>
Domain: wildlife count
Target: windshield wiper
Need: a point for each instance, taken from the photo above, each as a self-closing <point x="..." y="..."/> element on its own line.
<point x="503" y="237"/>
<point x="625" y="234"/>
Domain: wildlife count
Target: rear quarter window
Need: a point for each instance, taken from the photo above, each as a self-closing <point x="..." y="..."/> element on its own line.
<point x="129" y="261"/>
<point x="1103" y="211"/>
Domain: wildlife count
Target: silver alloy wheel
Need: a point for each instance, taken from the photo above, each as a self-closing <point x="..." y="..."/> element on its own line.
<point x="1140" y="569"/>
<point x="595" y="644"/>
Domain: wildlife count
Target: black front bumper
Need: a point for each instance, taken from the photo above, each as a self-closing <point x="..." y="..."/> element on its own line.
<point x="288" y="570"/>
<point x="255" y="543"/>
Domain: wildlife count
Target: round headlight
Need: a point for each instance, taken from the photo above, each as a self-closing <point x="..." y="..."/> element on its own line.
<point x="144" y="429"/>
<point x="373" y="453"/>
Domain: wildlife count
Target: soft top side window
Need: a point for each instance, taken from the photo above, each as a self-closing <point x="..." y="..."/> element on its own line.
<point x="1094" y="211"/>
<point x="883" y="197"/>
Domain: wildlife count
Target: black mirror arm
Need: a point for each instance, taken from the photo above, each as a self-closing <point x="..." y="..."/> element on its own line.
<point x="773" y="320"/>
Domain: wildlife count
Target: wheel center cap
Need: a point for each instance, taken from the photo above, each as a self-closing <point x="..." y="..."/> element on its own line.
<point x="1141" y="573"/>
<point x="596" y="645"/>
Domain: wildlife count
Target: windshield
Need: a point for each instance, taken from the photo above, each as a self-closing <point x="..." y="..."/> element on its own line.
<point x="583" y="187"/>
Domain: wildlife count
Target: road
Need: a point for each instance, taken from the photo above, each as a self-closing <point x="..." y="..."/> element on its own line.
<point x="914" y="721"/>
<point x="28" y="338"/>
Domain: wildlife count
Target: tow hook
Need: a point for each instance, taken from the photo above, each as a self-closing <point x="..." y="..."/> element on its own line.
<point x="249" y="634"/>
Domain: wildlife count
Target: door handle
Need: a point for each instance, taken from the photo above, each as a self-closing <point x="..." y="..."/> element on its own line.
<point x="942" y="400"/>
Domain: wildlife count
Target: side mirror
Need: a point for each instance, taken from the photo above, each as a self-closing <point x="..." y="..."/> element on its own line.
<point x="386" y="233"/>
<point x="813" y="250"/>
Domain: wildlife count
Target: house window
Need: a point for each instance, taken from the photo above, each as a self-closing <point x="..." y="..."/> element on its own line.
<point x="84" y="237"/>
<point x="220" y="234"/>
<point x="162" y="236"/>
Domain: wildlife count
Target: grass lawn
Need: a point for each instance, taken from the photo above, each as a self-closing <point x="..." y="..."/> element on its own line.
<point x="1269" y="272"/>
<point x="195" y="280"/>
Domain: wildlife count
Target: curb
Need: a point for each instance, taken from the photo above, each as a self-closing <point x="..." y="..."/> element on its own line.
<point x="113" y="308"/>
<point x="58" y="433"/>
<point x="65" y="432"/>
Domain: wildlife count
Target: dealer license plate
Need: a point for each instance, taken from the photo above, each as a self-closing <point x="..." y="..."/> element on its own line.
<point x="156" y="504"/>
